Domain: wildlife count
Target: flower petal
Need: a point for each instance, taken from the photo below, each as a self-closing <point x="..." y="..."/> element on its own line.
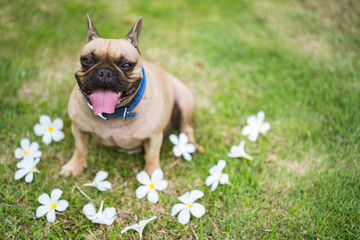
<point x="89" y="211"/>
<point x="143" y="178"/>
<point x="42" y="210"/>
<point x="184" y="198"/>
<point x="58" y="124"/>
<point x="214" y="185"/>
<point x="61" y="205"/>
<point x="214" y="170"/>
<point x="145" y="222"/>
<point x="29" y="177"/>
<point x="109" y="221"/>
<point x="161" y="185"/>
<point x="177" y="151"/>
<point x="157" y="175"/>
<point x="100" y="175"/>
<point x="260" y="117"/>
<point x="264" y="127"/>
<point x="21" y="173"/>
<point x="224" y="178"/>
<point x="132" y="227"/>
<point x="25" y="163"/>
<point x="190" y="148"/>
<point x="194" y="195"/>
<point x="50" y="216"/>
<point x="45" y="199"/>
<point x="19" y="153"/>
<point x="177" y="208"/>
<point x="221" y="164"/>
<point x="247" y="130"/>
<point x="25" y="143"/>
<point x="174" y="139"/>
<point x="45" y="120"/>
<point x="46" y="138"/>
<point x="187" y="156"/>
<point x="251" y="120"/>
<point x="39" y="130"/>
<point x="56" y="194"/>
<point x="34" y="146"/>
<point x="142" y="191"/>
<point x="109" y="212"/>
<point x="184" y="216"/>
<point x="103" y="186"/>
<point x="253" y="136"/>
<point x="183" y="139"/>
<point x="153" y="196"/>
<point x="197" y="210"/>
<point x="210" y="180"/>
<point x="57" y="136"/>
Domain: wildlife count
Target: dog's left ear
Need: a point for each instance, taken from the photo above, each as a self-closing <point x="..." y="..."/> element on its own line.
<point x="134" y="33"/>
<point x="91" y="33"/>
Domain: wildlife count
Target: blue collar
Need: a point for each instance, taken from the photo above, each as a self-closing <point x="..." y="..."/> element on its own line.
<point x="124" y="112"/>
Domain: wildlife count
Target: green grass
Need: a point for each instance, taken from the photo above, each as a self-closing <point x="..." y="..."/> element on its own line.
<point x="298" y="61"/>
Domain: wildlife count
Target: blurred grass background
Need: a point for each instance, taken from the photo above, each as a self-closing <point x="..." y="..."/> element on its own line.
<point x="298" y="61"/>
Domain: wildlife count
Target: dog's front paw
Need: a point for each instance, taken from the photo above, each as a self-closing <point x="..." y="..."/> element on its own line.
<point x="151" y="168"/>
<point x="72" y="168"/>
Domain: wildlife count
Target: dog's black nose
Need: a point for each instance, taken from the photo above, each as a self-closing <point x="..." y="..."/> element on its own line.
<point x="104" y="74"/>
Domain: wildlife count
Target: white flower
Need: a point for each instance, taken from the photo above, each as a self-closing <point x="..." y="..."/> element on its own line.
<point x="255" y="126"/>
<point x="182" y="146"/>
<point x="27" y="167"/>
<point x="99" y="183"/>
<point x="102" y="217"/>
<point x="188" y="206"/>
<point x="150" y="186"/>
<point x="27" y="150"/>
<point x="239" y="151"/>
<point x="50" y="204"/>
<point x="139" y="227"/>
<point x="49" y="130"/>
<point x="217" y="176"/>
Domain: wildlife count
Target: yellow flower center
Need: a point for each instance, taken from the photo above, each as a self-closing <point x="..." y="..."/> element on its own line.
<point x="53" y="206"/>
<point x="152" y="186"/>
<point x="26" y="152"/>
<point x="50" y="129"/>
<point x="189" y="205"/>
<point x="32" y="169"/>
<point x="219" y="177"/>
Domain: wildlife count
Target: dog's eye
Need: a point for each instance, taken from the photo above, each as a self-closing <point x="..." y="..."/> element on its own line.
<point x="126" y="66"/>
<point x="87" y="62"/>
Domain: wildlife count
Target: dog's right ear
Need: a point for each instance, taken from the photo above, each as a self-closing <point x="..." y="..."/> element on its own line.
<point x="91" y="33"/>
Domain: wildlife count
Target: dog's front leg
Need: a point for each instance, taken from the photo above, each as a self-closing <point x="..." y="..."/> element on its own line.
<point x="78" y="161"/>
<point x="152" y="147"/>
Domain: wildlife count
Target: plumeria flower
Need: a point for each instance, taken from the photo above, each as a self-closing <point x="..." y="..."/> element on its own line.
<point x="50" y="204"/>
<point x="50" y="130"/>
<point x="239" y="151"/>
<point x="27" y="150"/>
<point x="216" y="175"/>
<point x="139" y="227"/>
<point x="150" y="186"/>
<point x="99" y="182"/>
<point x="182" y="146"/>
<point x="27" y="167"/>
<point x="188" y="206"/>
<point x="102" y="217"/>
<point x="255" y="126"/>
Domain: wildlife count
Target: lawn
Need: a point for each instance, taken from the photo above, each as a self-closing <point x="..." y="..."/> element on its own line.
<point x="298" y="61"/>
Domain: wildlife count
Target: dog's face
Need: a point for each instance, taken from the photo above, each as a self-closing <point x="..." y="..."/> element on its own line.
<point x="110" y="70"/>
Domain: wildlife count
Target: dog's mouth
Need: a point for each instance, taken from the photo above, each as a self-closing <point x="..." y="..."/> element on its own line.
<point x="105" y="100"/>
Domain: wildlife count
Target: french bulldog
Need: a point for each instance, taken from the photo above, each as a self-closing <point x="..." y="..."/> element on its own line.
<point x="123" y="101"/>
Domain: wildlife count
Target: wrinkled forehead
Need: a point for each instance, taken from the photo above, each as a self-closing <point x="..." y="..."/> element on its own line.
<point x="116" y="49"/>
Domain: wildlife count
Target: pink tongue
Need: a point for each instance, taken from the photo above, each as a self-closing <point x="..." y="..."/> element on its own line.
<point x="104" y="101"/>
